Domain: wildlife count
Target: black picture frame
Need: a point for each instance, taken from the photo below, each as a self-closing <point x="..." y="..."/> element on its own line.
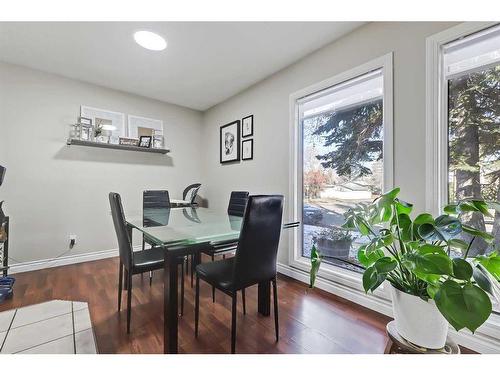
<point x="235" y="125"/>
<point x="251" y="149"/>
<point x="243" y="134"/>
<point x="145" y="137"/>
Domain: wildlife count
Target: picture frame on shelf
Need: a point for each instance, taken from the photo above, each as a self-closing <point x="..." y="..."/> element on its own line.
<point x="145" y="141"/>
<point x="229" y="150"/>
<point x="114" y="121"/>
<point x="247" y="126"/>
<point x="144" y="126"/>
<point x="124" y="141"/>
<point x="247" y="149"/>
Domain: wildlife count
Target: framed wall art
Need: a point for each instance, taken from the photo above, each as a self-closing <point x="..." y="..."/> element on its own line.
<point x="247" y="149"/>
<point x="247" y="126"/>
<point x="230" y="142"/>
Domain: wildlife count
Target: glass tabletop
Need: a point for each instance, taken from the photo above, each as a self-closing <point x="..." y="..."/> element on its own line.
<point x="189" y="225"/>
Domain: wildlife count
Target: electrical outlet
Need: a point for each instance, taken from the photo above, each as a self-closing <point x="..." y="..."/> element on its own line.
<point x="72" y="240"/>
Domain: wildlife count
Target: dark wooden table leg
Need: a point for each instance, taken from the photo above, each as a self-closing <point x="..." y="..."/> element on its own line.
<point x="264" y="298"/>
<point x="170" y="298"/>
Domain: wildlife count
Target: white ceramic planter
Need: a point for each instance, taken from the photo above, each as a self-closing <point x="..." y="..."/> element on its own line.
<point x="418" y="321"/>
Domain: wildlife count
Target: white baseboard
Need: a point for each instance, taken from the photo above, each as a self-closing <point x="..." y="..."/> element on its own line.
<point x="61" y="261"/>
<point x="485" y="340"/>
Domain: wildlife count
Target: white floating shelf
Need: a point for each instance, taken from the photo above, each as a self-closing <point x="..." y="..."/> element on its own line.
<point x="79" y="142"/>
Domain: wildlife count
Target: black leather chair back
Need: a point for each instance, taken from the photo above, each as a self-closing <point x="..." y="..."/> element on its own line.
<point x="257" y="250"/>
<point x="155" y="199"/>
<point x="124" y="244"/>
<point x="190" y="192"/>
<point x="237" y="203"/>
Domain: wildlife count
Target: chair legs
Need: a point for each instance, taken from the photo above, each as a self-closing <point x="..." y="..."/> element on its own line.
<point x="129" y="300"/>
<point x="213" y="287"/>
<point x="244" y="301"/>
<point x="233" y="322"/>
<point x="150" y="278"/>
<point x="120" y="285"/>
<point x="275" y="298"/>
<point x="197" y="306"/>
<point x="182" y="288"/>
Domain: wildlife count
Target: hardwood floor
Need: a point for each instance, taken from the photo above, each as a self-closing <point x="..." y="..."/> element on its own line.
<point x="311" y="321"/>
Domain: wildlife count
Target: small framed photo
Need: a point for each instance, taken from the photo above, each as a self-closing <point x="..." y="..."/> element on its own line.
<point x="230" y="142"/>
<point x="247" y="126"/>
<point x="129" y="141"/>
<point x="247" y="149"/>
<point x="145" y="141"/>
<point x="85" y="121"/>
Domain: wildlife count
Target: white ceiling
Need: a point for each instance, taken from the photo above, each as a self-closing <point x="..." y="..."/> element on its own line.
<point x="204" y="63"/>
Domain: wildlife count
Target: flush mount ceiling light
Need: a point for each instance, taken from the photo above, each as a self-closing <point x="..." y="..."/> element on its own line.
<point x="150" y="40"/>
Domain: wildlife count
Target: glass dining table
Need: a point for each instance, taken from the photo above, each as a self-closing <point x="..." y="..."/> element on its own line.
<point x="187" y="231"/>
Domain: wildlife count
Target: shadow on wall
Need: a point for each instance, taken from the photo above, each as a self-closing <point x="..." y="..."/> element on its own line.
<point x="75" y="153"/>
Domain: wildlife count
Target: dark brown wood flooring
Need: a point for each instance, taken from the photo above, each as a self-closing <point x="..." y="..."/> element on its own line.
<point x="311" y="321"/>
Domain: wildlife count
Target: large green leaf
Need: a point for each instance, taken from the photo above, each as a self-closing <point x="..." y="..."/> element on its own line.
<point x="315" y="263"/>
<point x="462" y="269"/>
<point x="491" y="263"/>
<point x="478" y="233"/>
<point x="463" y="306"/>
<point x="432" y="263"/>
<point x="482" y="280"/>
<point x="444" y="228"/>
<point x="384" y="206"/>
<point x="372" y="279"/>
<point x="385" y="264"/>
<point x="456" y="243"/>
<point x="368" y="259"/>
<point x="420" y="220"/>
<point x="468" y="206"/>
<point x="431" y="249"/>
<point x="482" y="207"/>
<point x="403" y="207"/>
<point x="405" y="226"/>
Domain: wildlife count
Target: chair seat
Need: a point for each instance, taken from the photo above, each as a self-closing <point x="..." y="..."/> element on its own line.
<point x="218" y="273"/>
<point x="148" y="260"/>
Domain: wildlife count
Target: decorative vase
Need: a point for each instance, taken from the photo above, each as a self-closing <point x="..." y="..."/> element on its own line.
<point x="419" y="321"/>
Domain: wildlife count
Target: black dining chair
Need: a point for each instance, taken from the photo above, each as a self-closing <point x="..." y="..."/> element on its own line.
<point x="236" y="207"/>
<point x="133" y="262"/>
<point x="190" y="193"/>
<point x="153" y="199"/>
<point x="254" y="261"/>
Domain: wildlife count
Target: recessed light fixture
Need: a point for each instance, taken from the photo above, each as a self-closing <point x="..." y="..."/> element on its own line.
<point x="150" y="40"/>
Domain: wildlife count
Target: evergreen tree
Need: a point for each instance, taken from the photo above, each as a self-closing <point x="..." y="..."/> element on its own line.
<point x="356" y="137"/>
<point x="474" y="141"/>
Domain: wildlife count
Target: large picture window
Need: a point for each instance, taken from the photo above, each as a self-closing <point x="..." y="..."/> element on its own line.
<point x="466" y="128"/>
<point x="463" y="127"/>
<point x="472" y="73"/>
<point x="342" y="141"/>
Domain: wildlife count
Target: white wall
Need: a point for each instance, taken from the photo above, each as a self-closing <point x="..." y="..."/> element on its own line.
<point x="268" y="101"/>
<point x="52" y="190"/>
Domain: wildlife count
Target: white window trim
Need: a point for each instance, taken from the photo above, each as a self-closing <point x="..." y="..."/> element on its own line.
<point x="336" y="274"/>
<point x="437" y="116"/>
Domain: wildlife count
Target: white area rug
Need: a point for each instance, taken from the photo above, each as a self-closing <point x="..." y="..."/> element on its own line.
<point x="54" y="327"/>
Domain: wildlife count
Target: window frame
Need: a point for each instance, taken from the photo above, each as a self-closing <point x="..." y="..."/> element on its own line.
<point x="330" y="272"/>
<point x="436" y="190"/>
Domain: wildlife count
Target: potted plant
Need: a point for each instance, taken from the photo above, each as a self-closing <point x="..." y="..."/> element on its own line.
<point x="430" y="286"/>
<point x="334" y="242"/>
